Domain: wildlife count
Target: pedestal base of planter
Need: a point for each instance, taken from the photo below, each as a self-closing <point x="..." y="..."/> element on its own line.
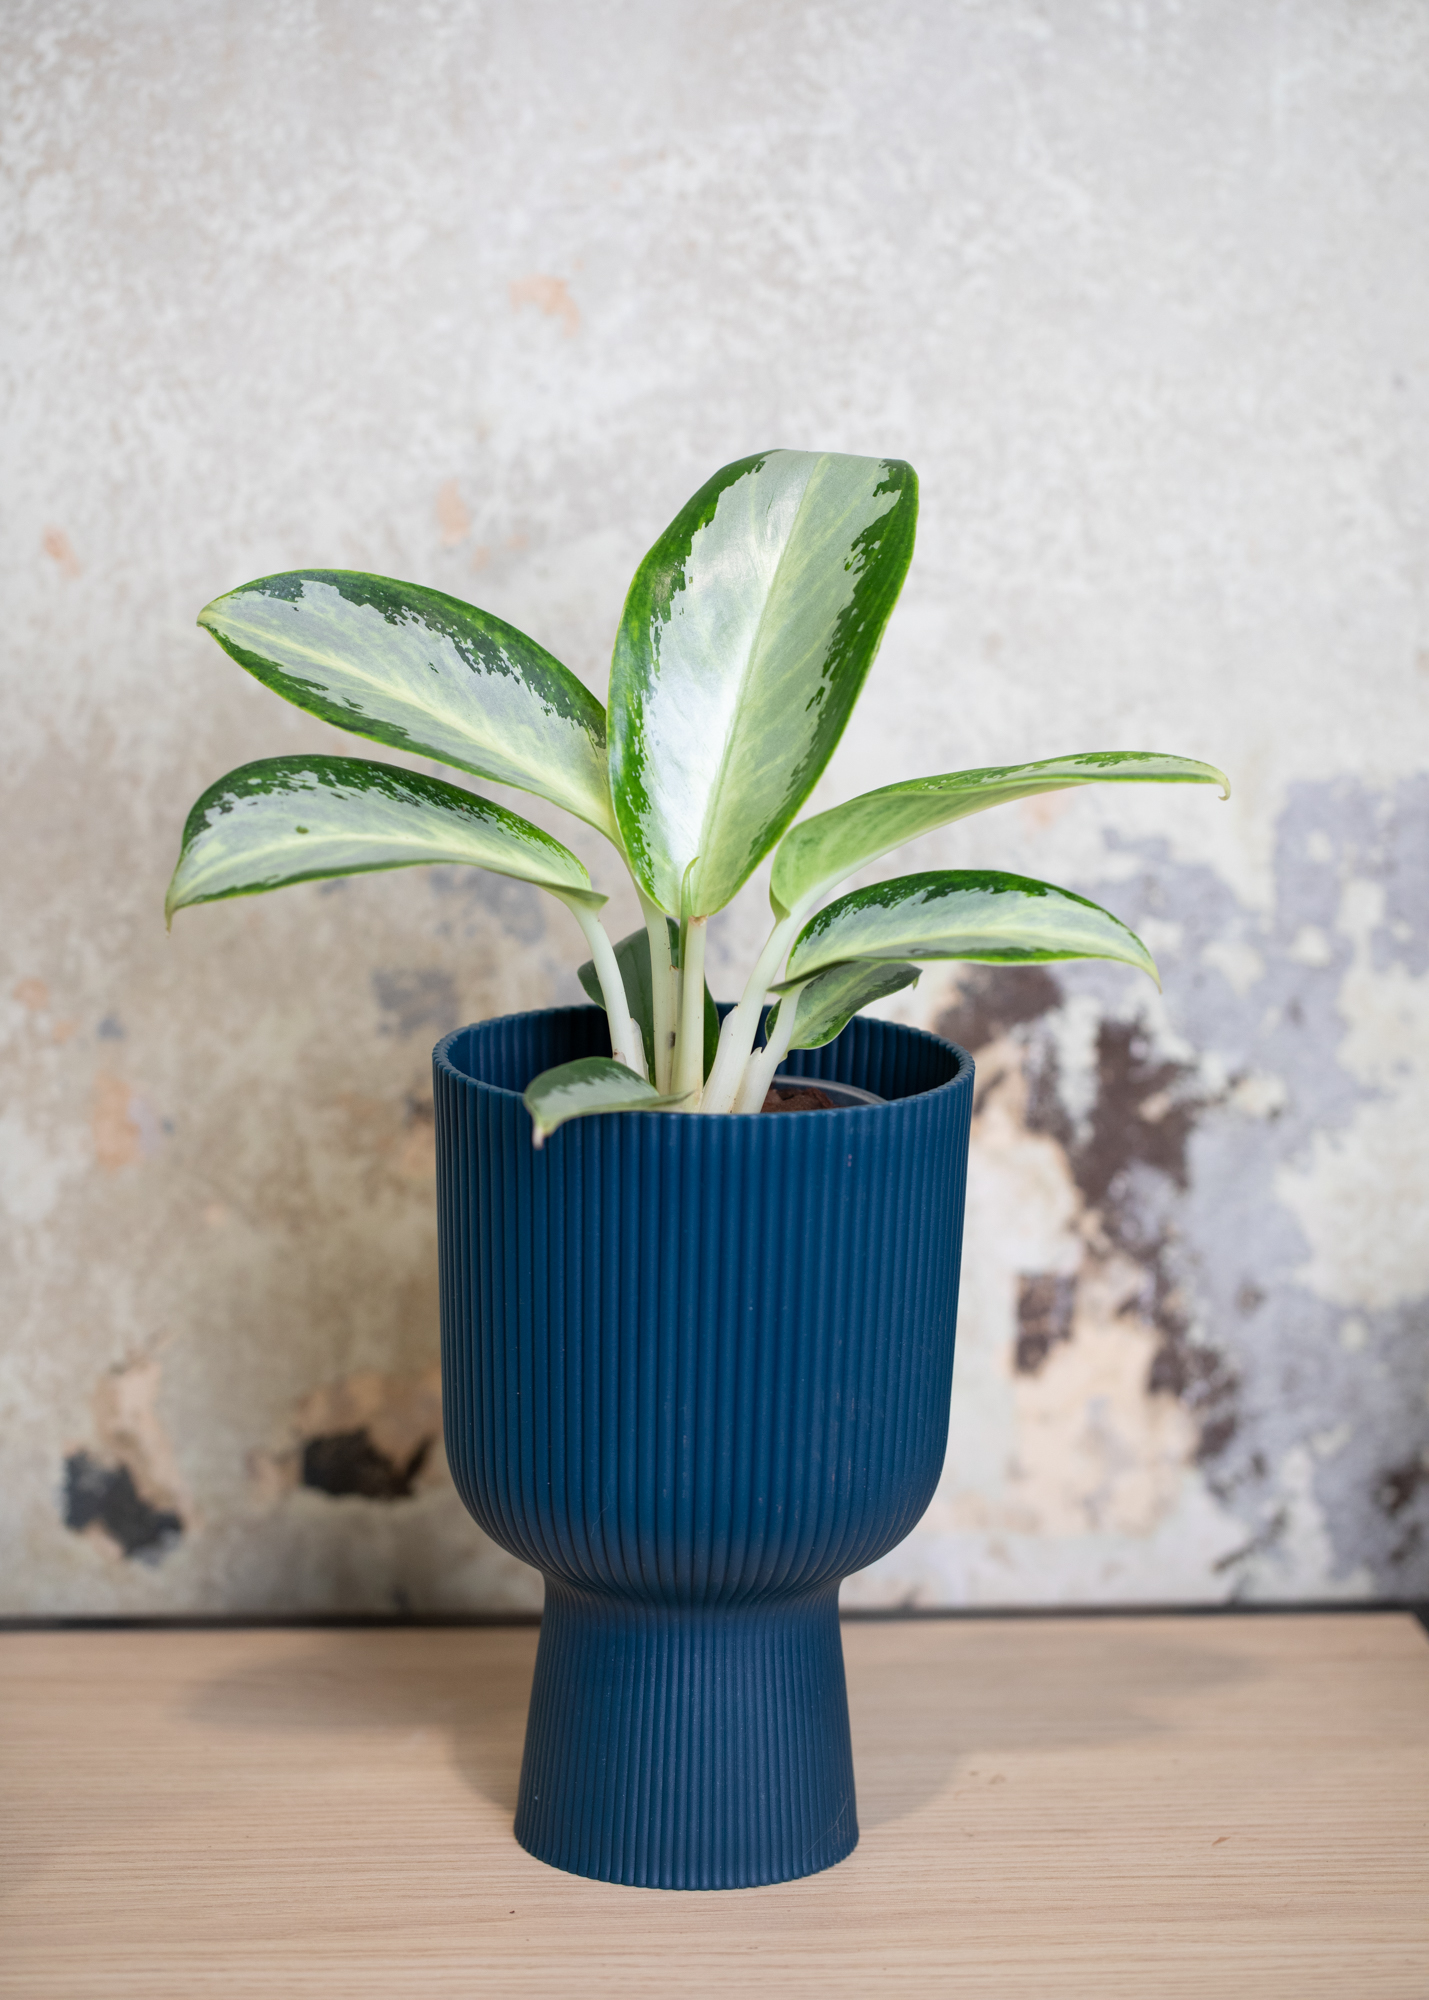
<point x="676" y="1748"/>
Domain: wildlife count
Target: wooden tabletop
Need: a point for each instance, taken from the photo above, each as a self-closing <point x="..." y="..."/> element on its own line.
<point x="1153" y="1807"/>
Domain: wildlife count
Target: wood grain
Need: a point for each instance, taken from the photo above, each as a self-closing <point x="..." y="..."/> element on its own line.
<point x="1149" y="1807"/>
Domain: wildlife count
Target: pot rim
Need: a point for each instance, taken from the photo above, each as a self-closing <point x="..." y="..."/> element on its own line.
<point x="961" y="1078"/>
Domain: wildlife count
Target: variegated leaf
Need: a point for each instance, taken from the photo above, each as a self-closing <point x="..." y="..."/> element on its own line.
<point x="831" y="999"/>
<point x="821" y="852"/>
<point x="962" y="913"/>
<point x="422" y="672"/>
<point x="586" y="1087"/>
<point x="298" y="819"/>
<point x="746" y="636"/>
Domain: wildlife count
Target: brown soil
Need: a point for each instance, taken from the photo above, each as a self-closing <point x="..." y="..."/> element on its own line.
<point x="810" y="1098"/>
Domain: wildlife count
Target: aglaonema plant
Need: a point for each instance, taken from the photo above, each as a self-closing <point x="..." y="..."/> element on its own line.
<point x="746" y="638"/>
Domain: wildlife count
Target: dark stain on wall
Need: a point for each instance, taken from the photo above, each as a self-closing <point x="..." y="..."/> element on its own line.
<point x="1398" y="1485"/>
<point x="1260" y="1543"/>
<point x="1045" y="1303"/>
<point x="1396" y="1491"/>
<point x="1178" y="1158"/>
<point x="1143" y="1115"/>
<point x="991" y="999"/>
<point x="106" y="1496"/>
<point x="346" y="1462"/>
<point x="1128" y="1159"/>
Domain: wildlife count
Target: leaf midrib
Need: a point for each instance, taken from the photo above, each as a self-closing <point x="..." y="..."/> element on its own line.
<point x="717" y="789"/>
<point x="275" y="843"/>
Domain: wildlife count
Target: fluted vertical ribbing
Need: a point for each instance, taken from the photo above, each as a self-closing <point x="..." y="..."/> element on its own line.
<point x="688" y="1747"/>
<point x="696" y="1370"/>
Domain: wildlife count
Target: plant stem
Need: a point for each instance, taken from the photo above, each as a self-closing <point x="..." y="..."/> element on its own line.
<point x="664" y="994"/>
<point x="624" y="1034"/>
<point x="690" y="1049"/>
<point x="760" y="1072"/>
<point x="737" y="1035"/>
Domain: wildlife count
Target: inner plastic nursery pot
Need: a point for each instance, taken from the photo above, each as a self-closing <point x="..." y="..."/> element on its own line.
<point x="696" y="1371"/>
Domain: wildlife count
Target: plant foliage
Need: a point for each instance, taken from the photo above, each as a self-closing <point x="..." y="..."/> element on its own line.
<point x="747" y="635"/>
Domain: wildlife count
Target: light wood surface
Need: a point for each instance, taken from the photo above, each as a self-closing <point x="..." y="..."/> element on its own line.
<point x="1153" y="1807"/>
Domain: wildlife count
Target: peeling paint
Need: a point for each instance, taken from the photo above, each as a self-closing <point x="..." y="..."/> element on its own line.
<point x="348" y="1462"/>
<point x="550" y="296"/>
<point x="115" y="1131"/>
<point x="60" y="550"/>
<point x="1211" y="1138"/>
<point x="1045" y="1304"/>
<point x="128" y="1489"/>
<point x="452" y="517"/>
<point x="105" y="1498"/>
<point x="368" y="1435"/>
<point x="1174" y="495"/>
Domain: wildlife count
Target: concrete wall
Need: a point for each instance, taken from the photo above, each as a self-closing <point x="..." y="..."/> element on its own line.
<point x="476" y="294"/>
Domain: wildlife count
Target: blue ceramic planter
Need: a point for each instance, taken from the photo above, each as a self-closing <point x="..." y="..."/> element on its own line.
<point x="697" y="1371"/>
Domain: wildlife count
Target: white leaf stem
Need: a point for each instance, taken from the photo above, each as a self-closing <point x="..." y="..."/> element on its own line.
<point x="624" y="1034"/>
<point x="760" y="1071"/>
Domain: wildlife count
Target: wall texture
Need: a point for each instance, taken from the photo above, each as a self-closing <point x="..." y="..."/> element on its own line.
<point x="476" y="294"/>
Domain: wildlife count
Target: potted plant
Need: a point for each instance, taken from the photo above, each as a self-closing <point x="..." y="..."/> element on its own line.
<point x="696" y="1361"/>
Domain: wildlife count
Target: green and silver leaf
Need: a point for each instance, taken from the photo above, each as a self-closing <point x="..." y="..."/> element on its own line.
<point x="821" y="852"/>
<point x="423" y="672"/>
<point x="584" y="1088"/>
<point x="299" y="819"/>
<point x="746" y="637"/>
<point x="632" y="955"/>
<point x="831" y="999"/>
<point x="964" y="913"/>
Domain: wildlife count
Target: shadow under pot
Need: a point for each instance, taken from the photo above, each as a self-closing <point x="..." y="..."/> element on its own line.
<point x="696" y="1370"/>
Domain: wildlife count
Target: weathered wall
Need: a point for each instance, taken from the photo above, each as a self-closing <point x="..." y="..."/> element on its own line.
<point x="476" y="294"/>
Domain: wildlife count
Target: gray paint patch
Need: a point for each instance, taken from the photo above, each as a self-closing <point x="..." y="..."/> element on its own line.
<point x="1395" y="852"/>
<point x="470" y="896"/>
<point x="424" y="999"/>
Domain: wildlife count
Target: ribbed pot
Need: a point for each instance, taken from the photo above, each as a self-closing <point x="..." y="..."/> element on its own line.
<point x="696" y="1370"/>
